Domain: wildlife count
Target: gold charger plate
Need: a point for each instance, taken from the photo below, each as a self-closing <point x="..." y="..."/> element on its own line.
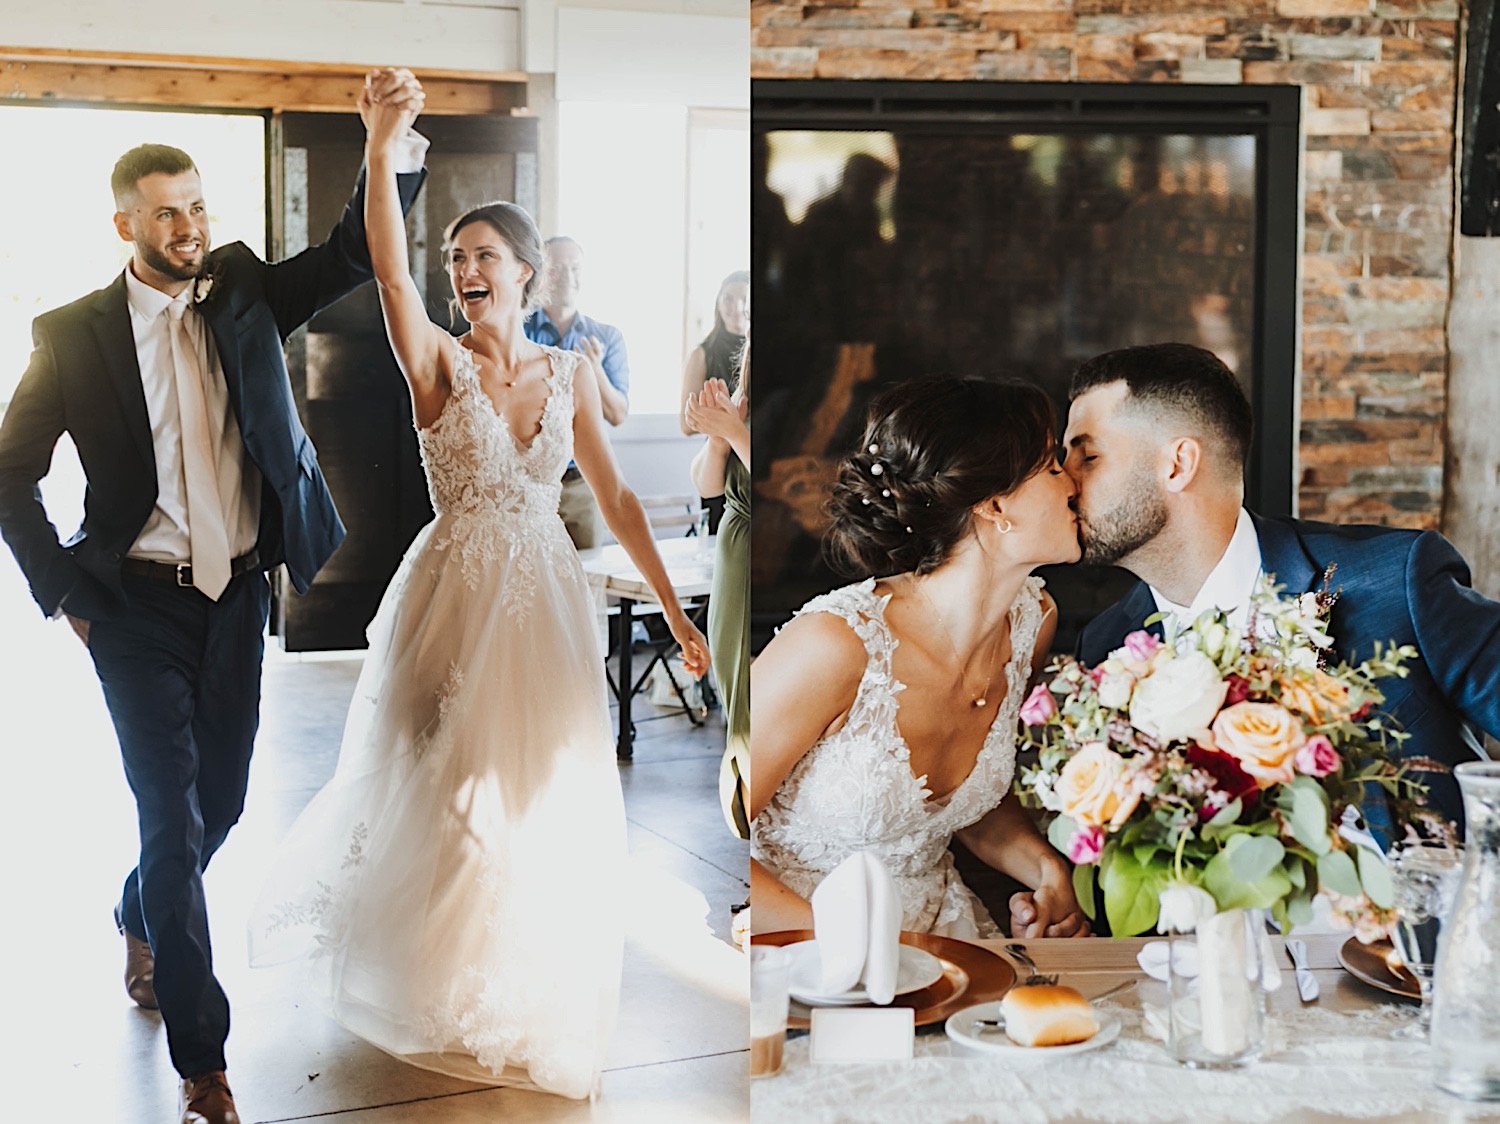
<point x="971" y="974"/>
<point x="1369" y="963"/>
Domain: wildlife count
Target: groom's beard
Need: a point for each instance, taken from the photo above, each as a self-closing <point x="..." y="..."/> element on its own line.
<point x="1121" y="532"/>
<point x="165" y="265"/>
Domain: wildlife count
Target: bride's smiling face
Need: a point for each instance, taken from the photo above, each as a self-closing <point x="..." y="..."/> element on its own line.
<point x="488" y="279"/>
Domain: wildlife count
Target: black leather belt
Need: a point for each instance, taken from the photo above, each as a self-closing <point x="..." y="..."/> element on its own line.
<point x="181" y="573"/>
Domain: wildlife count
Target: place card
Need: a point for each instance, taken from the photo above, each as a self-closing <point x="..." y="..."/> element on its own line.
<point x="862" y="1034"/>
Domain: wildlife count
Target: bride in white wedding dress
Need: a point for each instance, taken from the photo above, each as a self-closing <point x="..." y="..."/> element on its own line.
<point x="884" y="716"/>
<point x="457" y="883"/>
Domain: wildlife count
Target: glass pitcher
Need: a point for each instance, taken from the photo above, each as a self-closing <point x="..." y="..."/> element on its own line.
<point x="1466" y="992"/>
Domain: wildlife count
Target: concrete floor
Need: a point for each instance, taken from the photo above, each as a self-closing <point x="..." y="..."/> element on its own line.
<point x="80" y="1050"/>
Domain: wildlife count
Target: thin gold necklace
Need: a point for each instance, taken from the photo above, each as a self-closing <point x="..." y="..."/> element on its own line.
<point x="983" y="697"/>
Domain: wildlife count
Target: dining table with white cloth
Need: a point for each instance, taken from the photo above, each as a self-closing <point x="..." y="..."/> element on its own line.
<point x="1333" y="1059"/>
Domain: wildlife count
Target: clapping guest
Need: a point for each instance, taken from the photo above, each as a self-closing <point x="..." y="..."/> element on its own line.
<point x="722" y="468"/>
<point x="718" y="356"/>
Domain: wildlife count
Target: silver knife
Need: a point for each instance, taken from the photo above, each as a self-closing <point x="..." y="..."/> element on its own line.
<point x="1307" y="983"/>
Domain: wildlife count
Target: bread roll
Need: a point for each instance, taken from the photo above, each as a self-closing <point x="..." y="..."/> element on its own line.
<point x="1047" y="1015"/>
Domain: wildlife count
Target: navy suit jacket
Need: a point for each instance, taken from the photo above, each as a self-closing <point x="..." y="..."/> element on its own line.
<point x="84" y="380"/>
<point x="1411" y="587"/>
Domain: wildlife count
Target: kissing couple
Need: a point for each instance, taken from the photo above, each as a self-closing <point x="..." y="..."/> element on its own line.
<point x="885" y="716"/>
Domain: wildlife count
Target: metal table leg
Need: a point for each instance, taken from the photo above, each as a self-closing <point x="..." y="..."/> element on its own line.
<point x="623" y="746"/>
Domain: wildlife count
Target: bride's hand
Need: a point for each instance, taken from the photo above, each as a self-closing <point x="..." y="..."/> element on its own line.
<point x="694" y="646"/>
<point x="1050" y="910"/>
<point x="389" y="103"/>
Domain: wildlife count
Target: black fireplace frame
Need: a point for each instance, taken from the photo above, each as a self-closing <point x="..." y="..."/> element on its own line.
<point x="1271" y="114"/>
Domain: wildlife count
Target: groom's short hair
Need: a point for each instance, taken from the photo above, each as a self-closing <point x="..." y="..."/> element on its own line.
<point x="146" y="160"/>
<point x="1180" y="379"/>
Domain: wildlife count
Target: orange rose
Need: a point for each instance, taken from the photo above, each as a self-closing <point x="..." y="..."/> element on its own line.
<point x="1320" y="699"/>
<point x="1096" y="789"/>
<point x="1263" y="738"/>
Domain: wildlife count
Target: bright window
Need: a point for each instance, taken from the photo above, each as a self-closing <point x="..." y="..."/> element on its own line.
<point x="658" y="196"/>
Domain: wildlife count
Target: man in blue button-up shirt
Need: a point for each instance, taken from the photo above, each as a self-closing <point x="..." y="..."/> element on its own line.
<point x="558" y="323"/>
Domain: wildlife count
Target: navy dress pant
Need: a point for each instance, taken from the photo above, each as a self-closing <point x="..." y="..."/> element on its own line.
<point x="181" y="678"/>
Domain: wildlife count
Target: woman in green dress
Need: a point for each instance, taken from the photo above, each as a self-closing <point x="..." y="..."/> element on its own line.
<point x="722" y="467"/>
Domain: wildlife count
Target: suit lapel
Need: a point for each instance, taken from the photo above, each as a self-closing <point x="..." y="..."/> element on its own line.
<point x="1281" y="554"/>
<point x="1138" y="605"/>
<point x="219" y="316"/>
<point x="116" y="342"/>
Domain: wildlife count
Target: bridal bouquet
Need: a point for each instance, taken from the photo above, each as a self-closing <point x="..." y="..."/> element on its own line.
<point x="1212" y="773"/>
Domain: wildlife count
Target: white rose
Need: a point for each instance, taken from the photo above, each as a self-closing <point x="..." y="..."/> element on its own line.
<point x="1183" y="905"/>
<point x="1115" y="688"/>
<point x="1179" y="699"/>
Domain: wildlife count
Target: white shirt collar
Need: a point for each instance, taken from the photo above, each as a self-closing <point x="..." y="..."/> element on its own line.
<point x="1229" y="585"/>
<point x="146" y="302"/>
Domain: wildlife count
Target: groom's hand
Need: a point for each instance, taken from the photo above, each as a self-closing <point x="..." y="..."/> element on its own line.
<point x="391" y="100"/>
<point x="80" y="627"/>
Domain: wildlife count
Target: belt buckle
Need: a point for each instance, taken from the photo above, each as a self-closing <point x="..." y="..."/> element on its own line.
<point x="185" y="575"/>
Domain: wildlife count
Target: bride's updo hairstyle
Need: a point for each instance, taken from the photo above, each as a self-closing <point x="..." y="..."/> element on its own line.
<point x="933" y="450"/>
<point x="514" y="225"/>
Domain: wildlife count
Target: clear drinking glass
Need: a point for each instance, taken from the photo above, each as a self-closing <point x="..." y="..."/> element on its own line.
<point x="1216" y="999"/>
<point x="1425" y="875"/>
<point x="1465" y="1011"/>
<point x="770" y="976"/>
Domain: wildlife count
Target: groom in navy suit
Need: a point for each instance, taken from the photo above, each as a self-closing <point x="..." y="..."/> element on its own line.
<point x="1156" y="440"/>
<point x="173" y="385"/>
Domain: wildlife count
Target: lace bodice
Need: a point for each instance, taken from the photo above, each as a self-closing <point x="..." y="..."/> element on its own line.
<point x="854" y="789"/>
<point x="495" y="498"/>
<point x="475" y="465"/>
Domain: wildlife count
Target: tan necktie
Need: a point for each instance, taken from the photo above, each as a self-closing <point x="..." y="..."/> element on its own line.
<point x="207" y="534"/>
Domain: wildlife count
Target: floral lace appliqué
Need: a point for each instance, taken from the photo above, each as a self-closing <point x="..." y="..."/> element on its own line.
<point x="502" y="497"/>
<point x="854" y="790"/>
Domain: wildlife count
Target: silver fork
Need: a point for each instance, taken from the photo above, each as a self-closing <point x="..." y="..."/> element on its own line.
<point x="1018" y="953"/>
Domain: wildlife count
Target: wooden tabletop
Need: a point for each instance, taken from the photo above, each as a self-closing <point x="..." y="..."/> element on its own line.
<point x="1094" y="964"/>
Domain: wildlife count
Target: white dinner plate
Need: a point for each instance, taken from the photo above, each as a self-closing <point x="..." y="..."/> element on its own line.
<point x="916" y="969"/>
<point x="960" y="1028"/>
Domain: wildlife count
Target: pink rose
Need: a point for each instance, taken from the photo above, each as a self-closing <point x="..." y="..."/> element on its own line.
<point x="1086" y="846"/>
<point x="1141" y="644"/>
<point x="1038" y="706"/>
<point x="1097" y="674"/>
<point x="1317" y="757"/>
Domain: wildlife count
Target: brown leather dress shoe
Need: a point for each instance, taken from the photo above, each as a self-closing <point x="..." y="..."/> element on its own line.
<point x="206" y="1099"/>
<point x="140" y="971"/>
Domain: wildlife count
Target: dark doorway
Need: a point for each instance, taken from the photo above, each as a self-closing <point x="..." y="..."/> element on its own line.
<point x="351" y="395"/>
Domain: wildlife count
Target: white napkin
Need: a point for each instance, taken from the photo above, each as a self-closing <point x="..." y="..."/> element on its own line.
<point x="857" y="924"/>
<point x="1153" y="961"/>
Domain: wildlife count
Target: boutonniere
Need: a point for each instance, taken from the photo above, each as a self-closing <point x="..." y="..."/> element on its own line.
<point x="203" y="287"/>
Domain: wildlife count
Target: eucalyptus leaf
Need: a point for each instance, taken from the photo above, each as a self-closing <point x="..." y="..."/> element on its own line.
<point x="1253" y="860"/>
<point x="1059" y="831"/>
<point x="1309" y="816"/>
<point x="1375" y="877"/>
<point x="1336" y="872"/>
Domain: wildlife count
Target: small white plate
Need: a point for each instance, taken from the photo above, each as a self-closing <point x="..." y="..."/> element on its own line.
<point x="960" y="1028"/>
<point x="916" y="969"/>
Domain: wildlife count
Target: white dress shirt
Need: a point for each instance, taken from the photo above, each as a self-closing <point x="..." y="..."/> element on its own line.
<point x="164" y="538"/>
<point x="1229" y="585"/>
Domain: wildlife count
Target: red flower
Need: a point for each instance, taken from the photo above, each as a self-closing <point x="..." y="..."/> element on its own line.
<point x="1228" y="777"/>
<point x="1239" y="690"/>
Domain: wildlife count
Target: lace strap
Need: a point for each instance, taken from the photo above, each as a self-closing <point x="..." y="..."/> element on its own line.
<point x="864" y="613"/>
<point x="465" y="371"/>
<point x="1026" y="623"/>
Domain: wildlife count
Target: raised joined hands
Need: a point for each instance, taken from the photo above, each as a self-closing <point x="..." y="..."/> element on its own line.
<point x="714" y="411"/>
<point x="389" y="103"/>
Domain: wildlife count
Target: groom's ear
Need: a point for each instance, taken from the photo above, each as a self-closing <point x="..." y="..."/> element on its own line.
<point x="122" y="227"/>
<point x="1184" y="460"/>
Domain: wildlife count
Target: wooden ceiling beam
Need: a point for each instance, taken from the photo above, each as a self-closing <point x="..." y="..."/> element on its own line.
<point x="43" y="74"/>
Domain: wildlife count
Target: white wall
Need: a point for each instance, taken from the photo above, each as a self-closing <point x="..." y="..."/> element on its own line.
<point x="483" y="35"/>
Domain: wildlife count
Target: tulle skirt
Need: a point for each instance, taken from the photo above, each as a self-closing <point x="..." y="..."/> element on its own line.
<point x="457" y="883"/>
